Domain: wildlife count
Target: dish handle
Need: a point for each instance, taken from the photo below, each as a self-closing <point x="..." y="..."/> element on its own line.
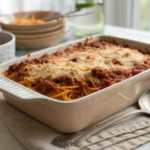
<point x="18" y="91"/>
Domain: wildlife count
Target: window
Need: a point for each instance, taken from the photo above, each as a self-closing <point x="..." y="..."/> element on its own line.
<point x="9" y="6"/>
<point x="144" y="15"/>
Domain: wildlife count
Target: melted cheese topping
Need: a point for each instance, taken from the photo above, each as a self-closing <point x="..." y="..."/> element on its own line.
<point x="110" y="58"/>
<point x="79" y="70"/>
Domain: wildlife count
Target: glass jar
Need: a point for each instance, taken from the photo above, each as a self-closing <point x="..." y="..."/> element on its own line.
<point x="90" y="19"/>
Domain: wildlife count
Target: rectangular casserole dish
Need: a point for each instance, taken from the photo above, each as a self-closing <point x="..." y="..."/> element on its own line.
<point x="75" y="115"/>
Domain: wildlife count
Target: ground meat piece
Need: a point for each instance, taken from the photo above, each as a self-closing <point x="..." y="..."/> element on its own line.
<point x="45" y="86"/>
<point x="99" y="73"/>
<point x="65" y="80"/>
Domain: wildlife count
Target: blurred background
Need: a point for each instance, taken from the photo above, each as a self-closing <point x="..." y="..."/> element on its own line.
<point x="91" y="17"/>
<point x="125" y="13"/>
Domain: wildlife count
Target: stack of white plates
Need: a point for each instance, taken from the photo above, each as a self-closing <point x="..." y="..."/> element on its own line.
<point x="35" y="36"/>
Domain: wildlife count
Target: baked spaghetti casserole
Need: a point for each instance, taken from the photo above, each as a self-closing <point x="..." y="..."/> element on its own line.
<point x="79" y="70"/>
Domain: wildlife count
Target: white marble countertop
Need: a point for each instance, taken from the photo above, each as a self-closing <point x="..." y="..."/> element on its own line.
<point x="9" y="142"/>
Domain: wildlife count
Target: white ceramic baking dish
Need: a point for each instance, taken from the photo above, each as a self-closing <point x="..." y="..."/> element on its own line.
<point x="78" y="114"/>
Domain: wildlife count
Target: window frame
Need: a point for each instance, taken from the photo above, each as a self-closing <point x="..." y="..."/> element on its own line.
<point x="114" y="8"/>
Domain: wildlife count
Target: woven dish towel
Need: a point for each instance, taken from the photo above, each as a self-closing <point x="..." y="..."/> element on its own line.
<point x="125" y="135"/>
